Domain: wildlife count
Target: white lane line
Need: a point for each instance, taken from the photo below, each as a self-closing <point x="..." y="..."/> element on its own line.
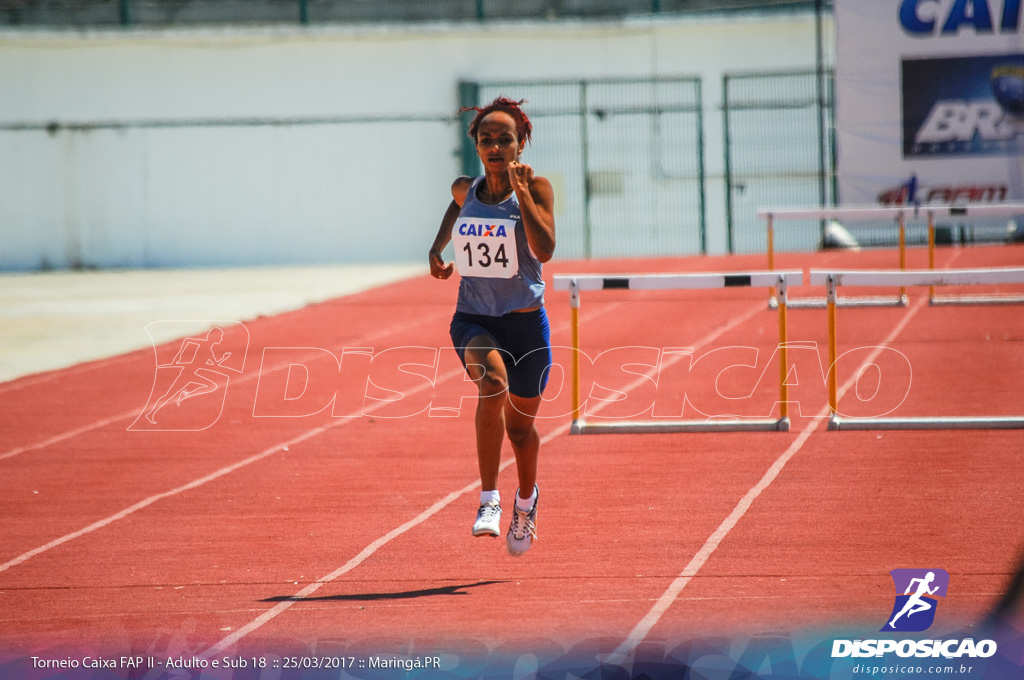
<point x="309" y="434"/>
<point x="160" y="496"/>
<point x="227" y="469"/>
<point x="89" y="365"/>
<point x="366" y="552"/>
<point x="56" y="439"/>
<point x="369" y="550"/>
<point x="146" y="502"/>
<point x="134" y="413"/>
<point x="676" y="587"/>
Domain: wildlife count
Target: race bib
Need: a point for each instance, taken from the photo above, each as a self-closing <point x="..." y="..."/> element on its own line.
<point x="485" y="248"/>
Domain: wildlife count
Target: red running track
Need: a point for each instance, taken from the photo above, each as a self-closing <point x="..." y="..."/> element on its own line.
<point x="319" y="531"/>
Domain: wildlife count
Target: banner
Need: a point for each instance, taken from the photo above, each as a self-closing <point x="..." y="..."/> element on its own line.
<point x="929" y="101"/>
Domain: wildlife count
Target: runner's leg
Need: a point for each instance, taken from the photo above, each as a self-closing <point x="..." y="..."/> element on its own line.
<point x="486" y="368"/>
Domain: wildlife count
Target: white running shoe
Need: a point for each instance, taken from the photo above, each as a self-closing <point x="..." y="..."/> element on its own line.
<point x="523" y="528"/>
<point x="488" y="520"/>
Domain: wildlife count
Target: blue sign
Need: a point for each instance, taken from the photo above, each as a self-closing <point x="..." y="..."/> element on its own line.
<point x="963" y="105"/>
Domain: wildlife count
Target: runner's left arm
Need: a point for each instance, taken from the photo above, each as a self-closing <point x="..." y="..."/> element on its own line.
<point x="537" y="203"/>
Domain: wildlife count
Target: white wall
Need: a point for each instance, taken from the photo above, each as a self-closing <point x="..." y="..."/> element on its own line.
<point x="339" y="191"/>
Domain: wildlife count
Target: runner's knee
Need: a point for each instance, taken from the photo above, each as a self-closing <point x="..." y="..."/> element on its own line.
<point x="492" y="383"/>
<point x="519" y="435"/>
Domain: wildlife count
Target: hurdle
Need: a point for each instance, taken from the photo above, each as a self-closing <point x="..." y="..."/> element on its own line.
<point x="900" y="215"/>
<point x="770" y="215"/>
<point x="575" y="284"/>
<point x="999" y="210"/>
<point x="832" y="280"/>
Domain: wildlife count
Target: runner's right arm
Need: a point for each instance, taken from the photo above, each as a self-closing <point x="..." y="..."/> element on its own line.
<point x="438" y="269"/>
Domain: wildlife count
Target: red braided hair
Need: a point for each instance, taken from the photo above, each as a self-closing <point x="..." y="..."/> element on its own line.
<point x="509" y="106"/>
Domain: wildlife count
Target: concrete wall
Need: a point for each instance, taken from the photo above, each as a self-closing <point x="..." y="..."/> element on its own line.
<point x="291" y="146"/>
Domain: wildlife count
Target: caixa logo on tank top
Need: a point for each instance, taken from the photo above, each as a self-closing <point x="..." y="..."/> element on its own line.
<point x="485" y="247"/>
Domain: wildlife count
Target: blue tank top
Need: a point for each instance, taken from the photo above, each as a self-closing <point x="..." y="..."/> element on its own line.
<point x="499" y="271"/>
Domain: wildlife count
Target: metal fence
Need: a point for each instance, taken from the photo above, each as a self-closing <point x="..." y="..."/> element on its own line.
<point x="625" y="158"/>
<point x="101" y="13"/>
<point x="779" y="150"/>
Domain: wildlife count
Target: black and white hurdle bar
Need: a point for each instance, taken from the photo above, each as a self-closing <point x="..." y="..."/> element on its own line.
<point x="943" y="277"/>
<point x="780" y="280"/>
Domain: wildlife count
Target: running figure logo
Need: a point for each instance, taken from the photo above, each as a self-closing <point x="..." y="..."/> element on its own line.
<point x="200" y="367"/>
<point x="914" y="610"/>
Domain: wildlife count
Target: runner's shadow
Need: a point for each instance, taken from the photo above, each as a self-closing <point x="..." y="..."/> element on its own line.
<point x="370" y="597"/>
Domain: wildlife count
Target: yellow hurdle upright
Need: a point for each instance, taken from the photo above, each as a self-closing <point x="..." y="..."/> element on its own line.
<point x="783" y="351"/>
<point x="574" y="304"/>
<point x="702" y="281"/>
<point x="833" y="390"/>
<point x="772" y="215"/>
<point x="833" y="279"/>
<point x="931" y="251"/>
<point x="771" y="257"/>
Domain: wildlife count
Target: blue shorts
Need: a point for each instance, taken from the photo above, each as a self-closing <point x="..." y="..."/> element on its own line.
<point x="524" y="340"/>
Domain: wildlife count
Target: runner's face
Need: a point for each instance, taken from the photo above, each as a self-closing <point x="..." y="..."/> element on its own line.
<point x="496" y="141"/>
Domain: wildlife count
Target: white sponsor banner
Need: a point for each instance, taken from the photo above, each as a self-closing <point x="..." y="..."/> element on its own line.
<point x="929" y="101"/>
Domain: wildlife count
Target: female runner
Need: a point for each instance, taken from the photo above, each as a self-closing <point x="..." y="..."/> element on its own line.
<point x="503" y="228"/>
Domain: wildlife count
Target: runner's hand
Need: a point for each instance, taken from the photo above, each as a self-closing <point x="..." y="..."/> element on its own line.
<point x="438" y="269"/>
<point x="520" y="175"/>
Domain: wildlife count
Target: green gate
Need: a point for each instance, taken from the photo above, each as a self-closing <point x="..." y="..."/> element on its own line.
<point x="779" y="151"/>
<point x="625" y="158"/>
